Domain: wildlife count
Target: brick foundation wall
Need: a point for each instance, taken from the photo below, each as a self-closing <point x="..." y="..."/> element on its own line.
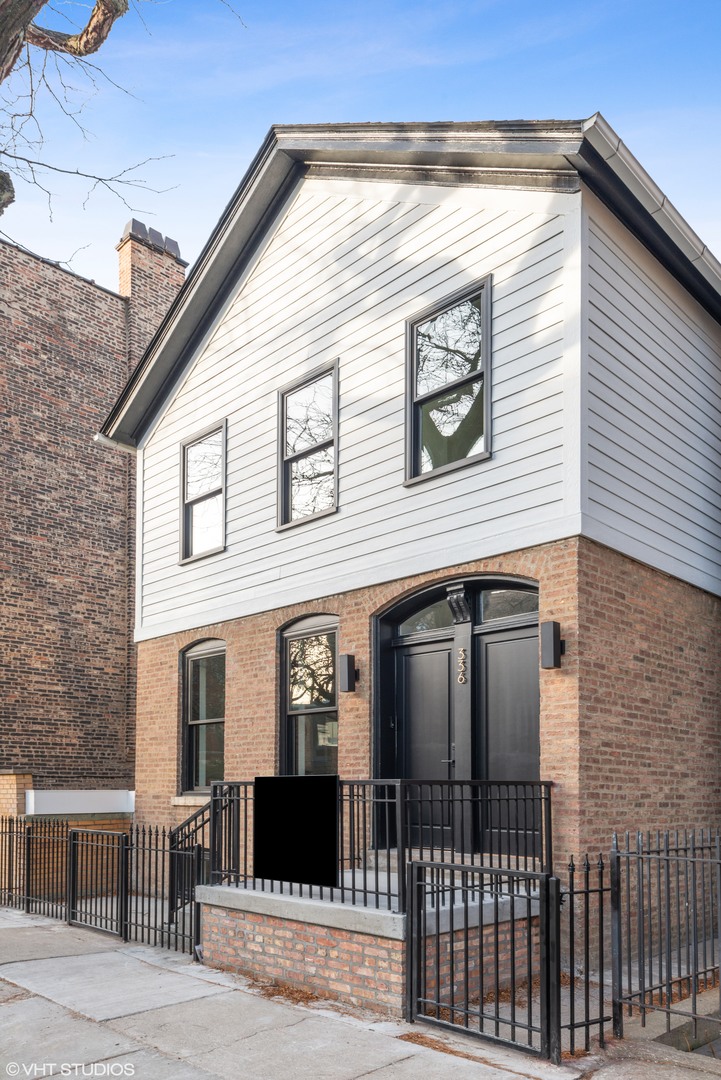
<point x="66" y="503"/>
<point x="456" y="963"/>
<point x="364" y="970"/>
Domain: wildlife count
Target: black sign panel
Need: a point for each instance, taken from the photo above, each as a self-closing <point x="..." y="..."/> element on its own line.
<point x="295" y="829"/>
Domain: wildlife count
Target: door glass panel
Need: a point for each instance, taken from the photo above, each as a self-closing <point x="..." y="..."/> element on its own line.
<point x="504" y="603"/>
<point x="434" y="617"/>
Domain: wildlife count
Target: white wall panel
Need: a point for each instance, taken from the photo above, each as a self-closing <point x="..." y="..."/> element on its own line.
<point x="342" y="270"/>
<point x="653" y="420"/>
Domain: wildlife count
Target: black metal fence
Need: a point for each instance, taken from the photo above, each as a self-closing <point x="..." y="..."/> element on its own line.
<point x="386" y="824"/>
<point x="514" y="956"/>
<point x="666" y="925"/>
<point x="483" y="953"/>
<point x="138" y="884"/>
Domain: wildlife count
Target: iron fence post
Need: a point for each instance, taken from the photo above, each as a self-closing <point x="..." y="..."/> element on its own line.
<point x="215" y="834"/>
<point x="124" y="887"/>
<point x="401" y="841"/>
<point x="72" y="875"/>
<point x="616" y="941"/>
<point x="415" y="877"/>
<point x="553" y="967"/>
<point x="548" y="827"/>
<point x="197" y="880"/>
<point x="27" y="876"/>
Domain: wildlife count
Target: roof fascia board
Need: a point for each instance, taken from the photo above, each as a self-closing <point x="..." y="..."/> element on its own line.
<point x="614" y="175"/>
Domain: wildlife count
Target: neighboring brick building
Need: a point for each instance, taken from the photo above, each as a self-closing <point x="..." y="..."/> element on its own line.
<point x="67" y="347"/>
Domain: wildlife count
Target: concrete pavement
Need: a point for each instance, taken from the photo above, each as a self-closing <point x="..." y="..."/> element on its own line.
<point x="75" y="1002"/>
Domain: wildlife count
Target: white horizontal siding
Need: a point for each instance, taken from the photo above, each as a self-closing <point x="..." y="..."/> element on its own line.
<point x="653" y="415"/>
<point x="343" y="270"/>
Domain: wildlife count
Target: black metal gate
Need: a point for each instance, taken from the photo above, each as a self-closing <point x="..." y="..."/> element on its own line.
<point x="139" y="884"/>
<point x="98" y="876"/>
<point x="484" y="953"/>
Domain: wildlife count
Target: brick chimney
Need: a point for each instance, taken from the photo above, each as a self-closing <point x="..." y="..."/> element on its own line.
<point x="151" y="273"/>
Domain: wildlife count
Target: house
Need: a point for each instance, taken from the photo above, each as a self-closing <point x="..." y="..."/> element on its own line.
<point x="428" y="388"/>
<point x="67" y="671"/>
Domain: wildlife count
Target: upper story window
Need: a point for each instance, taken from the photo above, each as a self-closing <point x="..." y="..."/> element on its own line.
<point x="307" y="458"/>
<point x="449" y="363"/>
<point x="204" y="711"/>
<point x="203" y="494"/>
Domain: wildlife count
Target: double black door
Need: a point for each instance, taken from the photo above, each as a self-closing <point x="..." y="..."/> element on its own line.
<point x="469" y="711"/>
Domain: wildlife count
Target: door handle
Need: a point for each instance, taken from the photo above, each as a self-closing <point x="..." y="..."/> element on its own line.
<point x="450" y="760"/>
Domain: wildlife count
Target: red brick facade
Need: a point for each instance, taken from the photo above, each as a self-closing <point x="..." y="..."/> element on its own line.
<point x="629" y="724"/>
<point x="66" y="676"/>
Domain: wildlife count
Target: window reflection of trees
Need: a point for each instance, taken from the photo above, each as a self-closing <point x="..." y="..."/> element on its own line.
<point x="203" y="465"/>
<point x="308" y="449"/>
<point x="309" y="415"/>
<point x="312" y="671"/>
<point x="449" y="384"/>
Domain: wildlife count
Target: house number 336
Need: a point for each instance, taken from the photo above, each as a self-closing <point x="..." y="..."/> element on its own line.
<point x="462" y="677"/>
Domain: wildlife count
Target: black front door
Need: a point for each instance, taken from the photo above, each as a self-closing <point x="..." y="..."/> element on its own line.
<point x="425" y="710"/>
<point x="460" y="695"/>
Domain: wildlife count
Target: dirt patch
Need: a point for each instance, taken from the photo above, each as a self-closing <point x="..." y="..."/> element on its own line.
<point x="436" y="1044"/>
<point x="293" y="994"/>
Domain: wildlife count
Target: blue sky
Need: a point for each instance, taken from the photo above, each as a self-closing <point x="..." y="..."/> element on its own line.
<point x="201" y="88"/>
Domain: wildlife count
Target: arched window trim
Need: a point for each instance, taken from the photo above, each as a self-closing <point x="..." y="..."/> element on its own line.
<point x="305" y="627"/>
<point x="403" y="608"/>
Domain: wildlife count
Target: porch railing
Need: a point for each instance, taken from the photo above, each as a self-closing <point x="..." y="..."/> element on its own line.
<point x="383" y="825"/>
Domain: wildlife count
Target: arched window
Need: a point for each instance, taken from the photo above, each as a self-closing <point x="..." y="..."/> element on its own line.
<point x="204" y="714"/>
<point x="309" y="698"/>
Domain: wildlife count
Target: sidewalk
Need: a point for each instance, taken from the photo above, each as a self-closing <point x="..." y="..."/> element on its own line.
<point x="75" y="1002"/>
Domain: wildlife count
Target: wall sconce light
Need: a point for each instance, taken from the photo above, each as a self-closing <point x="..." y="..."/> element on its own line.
<point x="552" y="647"/>
<point x="348" y="673"/>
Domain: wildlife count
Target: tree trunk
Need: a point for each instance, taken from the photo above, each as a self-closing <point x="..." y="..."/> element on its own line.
<point x="15" y="18"/>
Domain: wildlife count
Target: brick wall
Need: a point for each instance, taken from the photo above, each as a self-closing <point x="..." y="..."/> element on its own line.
<point x="630" y="731"/>
<point x="12" y="792"/>
<point x="365" y="970"/>
<point x="252" y="680"/>
<point x="649" y="699"/>
<point x="369" y="970"/>
<point x="66" y="671"/>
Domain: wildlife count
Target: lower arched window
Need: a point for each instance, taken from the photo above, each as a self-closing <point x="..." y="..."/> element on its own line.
<point x="204" y="715"/>
<point x="309" y="721"/>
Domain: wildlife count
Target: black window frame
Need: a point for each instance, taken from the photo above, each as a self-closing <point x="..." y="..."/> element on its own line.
<point x="414" y="402"/>
<point x="308" y="626"/>
<point x="286" y="461"/>
<point x="186" y="505"/>
<point x="198" y="651"/>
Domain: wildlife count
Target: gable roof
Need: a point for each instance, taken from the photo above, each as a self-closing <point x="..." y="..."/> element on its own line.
<point x="541" y="154"/>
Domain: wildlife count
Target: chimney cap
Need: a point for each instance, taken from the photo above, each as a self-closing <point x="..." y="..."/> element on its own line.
<point x="137" y="230"/>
